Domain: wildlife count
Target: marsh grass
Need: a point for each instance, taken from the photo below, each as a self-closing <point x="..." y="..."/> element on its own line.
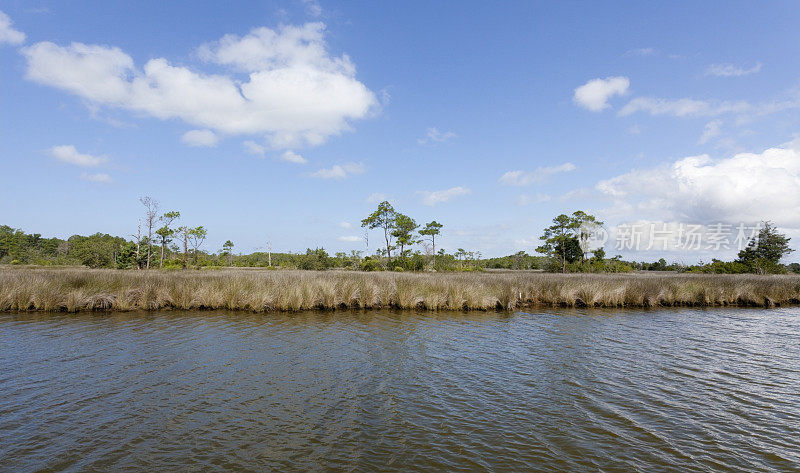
<point x="75" y="289"/>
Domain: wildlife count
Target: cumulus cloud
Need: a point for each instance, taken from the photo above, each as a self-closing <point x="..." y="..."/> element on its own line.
<point x="8" y="35"/>
<point x="99" y="177"/>
<point x="292" y="157"/>
<point x="684" y="107"/>
<point x="351" y="238"/>
<point x="70" y="155"/>
<point x="433" y="135"/>
<point x="295" y="92"/>
<point x="200" y="138"/>
<point x="523" y="178"/>
<point x="746" y="187"/>
<point x="436" y="197"/>
<point x="729" y="70"/>
<point x="594" y="94"/>
<point x="339" y="171"/>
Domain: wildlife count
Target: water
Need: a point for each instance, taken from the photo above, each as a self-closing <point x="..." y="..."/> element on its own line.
<point x="678" y="390"/>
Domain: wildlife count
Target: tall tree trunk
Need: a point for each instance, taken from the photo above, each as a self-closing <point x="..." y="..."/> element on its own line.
<point x="138" y="243"/>
<point x="185" y="250"/>
<point x="433" y="239"/>
<point x="386" y="236"/>
<point x="161" y="262"/>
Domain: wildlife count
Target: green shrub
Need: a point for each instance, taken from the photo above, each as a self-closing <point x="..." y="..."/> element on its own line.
<point x="369" y="264"/>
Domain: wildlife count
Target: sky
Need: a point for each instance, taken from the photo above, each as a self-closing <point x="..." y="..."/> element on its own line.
<point x="288" y="121"/>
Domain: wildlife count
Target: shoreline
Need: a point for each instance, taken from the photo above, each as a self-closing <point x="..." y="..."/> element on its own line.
<point x="80" y="289"/>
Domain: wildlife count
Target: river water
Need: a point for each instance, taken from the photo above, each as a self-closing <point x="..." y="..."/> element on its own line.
<point x="658" y="390"/>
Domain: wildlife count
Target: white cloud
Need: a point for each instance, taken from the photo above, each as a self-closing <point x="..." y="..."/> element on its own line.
<point x="351" y="238"/>
<point x="436" y="197"/>
<point x="522" y="178"/>
<point x="641" y="52"/>
<point x="747" y="187"/>
<point x="683" y="107"/>
<point x="312" y="8"/>
<point x="99" y="177"/>
<point x="376" y="197"/>
<point x="259" y="150"/>
<point x="729" y="70"/>
<point x="339" y="171"/>
<point x="537" y="199"/>
<point x="433" y="135"/>
<point x="594" y="94"/>
<point x="295" y="92"/>
<point x="292" y="157"/>
<point x="711" y="130"/>
<point x="68" y="154"/>
<point x="254" y="148"/>
<point x="200" y="138"/>
<point x="345" y="225"/>
<point x="8" y="34"/>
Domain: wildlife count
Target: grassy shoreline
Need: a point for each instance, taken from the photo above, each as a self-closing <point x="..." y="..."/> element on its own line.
<point x="77" y="289"/>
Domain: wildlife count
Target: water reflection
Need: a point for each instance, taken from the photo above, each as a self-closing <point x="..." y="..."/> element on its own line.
<point x="715" y="390"/>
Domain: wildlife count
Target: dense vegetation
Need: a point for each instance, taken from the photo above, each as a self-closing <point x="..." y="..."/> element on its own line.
<point x="66" y="289"/>
<point x="405" y="246"/>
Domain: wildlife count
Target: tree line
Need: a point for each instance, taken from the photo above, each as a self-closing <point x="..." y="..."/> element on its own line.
<point x="566" y="243"/>
<point x="161" y="242"/>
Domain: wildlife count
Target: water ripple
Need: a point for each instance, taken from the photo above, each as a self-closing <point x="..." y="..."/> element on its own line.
<point x="573" y="390"/>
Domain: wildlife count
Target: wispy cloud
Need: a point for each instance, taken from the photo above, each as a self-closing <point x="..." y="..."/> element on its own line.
<point x="523" y="199"/>
<point x="254" y="148"/>
<point x="339" y="171"/>
<point x="730" y="70"/>
<point x="711" y="130"/>
<point x="350" y="238"/>
<point x="200" y="138"/>
<point x="436" y="197"/>
<point x="684" y="107"/>
<point x="8" y="34"/>
<point x="70" y="155"/>
<point x="261" y="151"/>
<point x="433" y="135"/>
<point x="376" y="197"/>
<point x="641" y="52"/>
<point x="98" y="177"/>
<point x="313" y="8"/>
<point x="292" y="157"/>
<point x="523" y="178"/>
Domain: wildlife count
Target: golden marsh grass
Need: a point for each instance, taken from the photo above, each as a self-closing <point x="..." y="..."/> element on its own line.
<point x="78" y="289"/>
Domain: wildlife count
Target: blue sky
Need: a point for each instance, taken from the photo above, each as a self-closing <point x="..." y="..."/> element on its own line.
<point x="288" y="120"/>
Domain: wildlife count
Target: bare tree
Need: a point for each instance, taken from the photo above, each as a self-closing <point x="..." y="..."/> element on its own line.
<point x="138" y="241"/>
<point x="185" y="231"/>
<point x="151" y="216"/>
